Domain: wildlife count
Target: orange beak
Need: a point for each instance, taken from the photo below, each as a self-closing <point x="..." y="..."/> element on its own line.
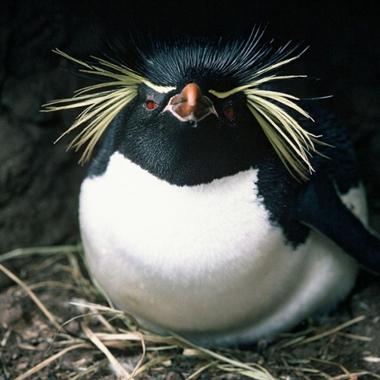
<point x="190" y="104"/>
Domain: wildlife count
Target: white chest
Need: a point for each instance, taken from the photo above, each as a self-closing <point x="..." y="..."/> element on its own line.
<point x="201" y="259"/>
<point x="171" y="226"/>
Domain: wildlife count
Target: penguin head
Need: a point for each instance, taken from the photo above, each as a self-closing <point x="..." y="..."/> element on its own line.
<point x="193" y="111"/>
<point x="186" y="136"/>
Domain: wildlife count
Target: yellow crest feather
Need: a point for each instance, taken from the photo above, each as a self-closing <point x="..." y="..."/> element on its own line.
<point x="100" y="107"/>
<point x="292" y="143"/>
<point x="103" y="101"/>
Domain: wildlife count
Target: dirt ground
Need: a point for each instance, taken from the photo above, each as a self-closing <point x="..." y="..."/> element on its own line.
<point x="342" y="345"/>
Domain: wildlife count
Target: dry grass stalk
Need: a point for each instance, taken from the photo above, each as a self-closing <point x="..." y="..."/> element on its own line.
<point x="50" y="360"/>
<point x="334" y="330"/>
<point x="22" y="252"/>
<point x="32" y="295"/>
<point x="92" y="369"/>
<point x="300" y="340"/>
<point x="120" y="371"/>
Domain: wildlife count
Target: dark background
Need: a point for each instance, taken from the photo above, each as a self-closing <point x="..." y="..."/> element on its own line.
<point x="39" y="182"/>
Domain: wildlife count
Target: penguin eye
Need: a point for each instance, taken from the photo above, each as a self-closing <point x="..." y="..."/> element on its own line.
<point x="151" y="105"/>
<point x="229" y="113"/>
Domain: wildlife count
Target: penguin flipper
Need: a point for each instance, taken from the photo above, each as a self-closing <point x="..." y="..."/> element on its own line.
<point x="320" y="208"/>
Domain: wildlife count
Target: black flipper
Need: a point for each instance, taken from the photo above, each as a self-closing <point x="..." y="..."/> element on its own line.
<point x="321" y="208"/>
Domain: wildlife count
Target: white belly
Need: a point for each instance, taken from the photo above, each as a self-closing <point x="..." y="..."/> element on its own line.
<point x="204" y="260"/>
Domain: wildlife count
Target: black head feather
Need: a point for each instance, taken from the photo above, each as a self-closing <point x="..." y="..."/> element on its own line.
<point x="218" y="64"/>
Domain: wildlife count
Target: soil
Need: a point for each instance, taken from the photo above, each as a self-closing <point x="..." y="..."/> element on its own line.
<point x="39" y="181"/>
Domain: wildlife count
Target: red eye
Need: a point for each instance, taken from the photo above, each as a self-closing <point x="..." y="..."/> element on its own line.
<point x="151" y="105"/>
<point x="229" y="113"/>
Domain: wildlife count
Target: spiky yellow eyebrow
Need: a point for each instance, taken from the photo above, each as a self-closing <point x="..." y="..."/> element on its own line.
<point x="100" y="107"/>
<point x="293" y="144"/>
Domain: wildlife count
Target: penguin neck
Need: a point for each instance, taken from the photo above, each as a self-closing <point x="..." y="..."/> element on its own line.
<point x="185" y="159"/>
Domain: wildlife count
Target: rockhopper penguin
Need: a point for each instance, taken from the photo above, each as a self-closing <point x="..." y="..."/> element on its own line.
<point x="215" y="205"/>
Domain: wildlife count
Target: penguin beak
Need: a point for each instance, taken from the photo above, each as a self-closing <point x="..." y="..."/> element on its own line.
<point x="190" y="104"/>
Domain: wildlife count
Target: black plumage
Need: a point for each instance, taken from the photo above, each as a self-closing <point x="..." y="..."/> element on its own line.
<point x="218" y="64"/>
